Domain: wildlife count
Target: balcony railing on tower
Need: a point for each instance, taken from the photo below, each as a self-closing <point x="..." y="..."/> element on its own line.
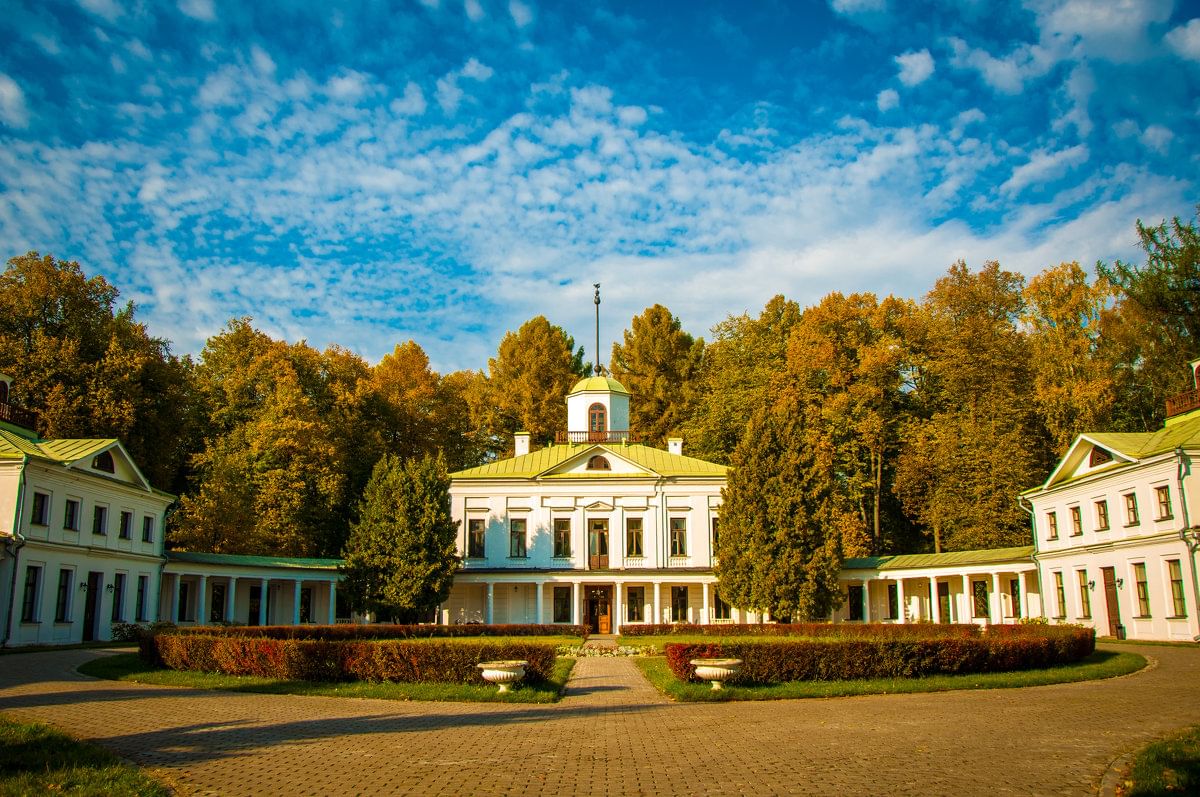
<point x="613" y="436"/>
<point x="1183" y="402"/>
<point x="18" y="416"/>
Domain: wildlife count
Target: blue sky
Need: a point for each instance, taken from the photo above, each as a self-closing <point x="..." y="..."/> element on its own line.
<point x="442" y="170"/>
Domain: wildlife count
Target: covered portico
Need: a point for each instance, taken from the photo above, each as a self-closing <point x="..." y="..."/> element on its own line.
<point x="205" y="588"/>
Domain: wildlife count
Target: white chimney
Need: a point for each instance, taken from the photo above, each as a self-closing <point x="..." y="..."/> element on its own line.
<point x="521" y="444"/>
<point x="675" y="446"/>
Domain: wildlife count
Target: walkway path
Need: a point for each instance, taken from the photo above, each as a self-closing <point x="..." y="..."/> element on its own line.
<point x="613" y="734"/>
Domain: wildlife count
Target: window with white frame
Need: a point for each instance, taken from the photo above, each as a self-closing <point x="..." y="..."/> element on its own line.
<point x="1162" y="498"/>
<point x="71" y="515"/>
<point x="475" y="536"/>
<point x="1131" y="509"/>
<point x="40" y="514"/>
<point x="126" y="527"/>
<point x="148" y="528"/>
<point x="721" y="609"/>
<point x="1052" y="525"/>
<point x="99" y="520"/>
<point x="678" y="536"/>
<point x="1102" y="515"/>
<point x="516" y="538"/>
<point x="143" y="588"/>
<point x="118" y="604"/>
<point x="1085" y="597"/>
<point x="562" y="538"/>
<point x="1142" y="584"/>
<point x="633" y="538"/>
<point x="679" y="604"/>
<point x="62" y="602"/>
<point x="1076" y="521"/>
<point x="635" y="604"/>
<point x="1060" y="592"/>
<point x="31" y="596"/>
<point x="1175" y="575"/>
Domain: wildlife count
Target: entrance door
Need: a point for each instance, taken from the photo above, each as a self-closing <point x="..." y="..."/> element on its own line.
<point x="598" y="544"/>
<point x="255" y="605"/>
<point x="91" y="607"/>
<point x="597" y="610"/>
<point x="1111" y="603"/>
<point x="944" y="602"/>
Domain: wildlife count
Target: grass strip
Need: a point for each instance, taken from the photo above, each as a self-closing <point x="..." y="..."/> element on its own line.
<point x="36" y="759"/>
<point x="1101" y="664"/>
<point x="129" y="667"/>
<point x="1170" y="766"/>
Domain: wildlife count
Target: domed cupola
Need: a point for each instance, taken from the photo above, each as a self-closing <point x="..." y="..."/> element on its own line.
<point x="597" y="411"/>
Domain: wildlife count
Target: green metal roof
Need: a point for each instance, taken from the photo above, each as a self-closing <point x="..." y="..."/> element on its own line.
<point x="598" y="383"/>
<point x="238" y="560"/>
<point x="915" y="561"/>
<point x="535" y="464"/>
<point x="13" y="446"/>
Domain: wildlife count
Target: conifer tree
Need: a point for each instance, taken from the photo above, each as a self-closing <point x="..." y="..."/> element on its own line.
<point x="400" y="557"/>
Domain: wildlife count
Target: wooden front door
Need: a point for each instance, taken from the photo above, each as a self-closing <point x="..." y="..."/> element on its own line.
<point x="1111" y="602"/>
<point x="598" y="544"/>
<point x="597" y="610"/>
<point x="91" y="606"/>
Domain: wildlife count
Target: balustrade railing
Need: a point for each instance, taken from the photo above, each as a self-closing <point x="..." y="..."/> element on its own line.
<point x="615" y="436"/>
<point x="1183" y="402"/>
<point x="18" y="416"/>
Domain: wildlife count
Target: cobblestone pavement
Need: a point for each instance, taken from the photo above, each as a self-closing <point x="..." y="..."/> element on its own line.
<point x="614" y="734"/>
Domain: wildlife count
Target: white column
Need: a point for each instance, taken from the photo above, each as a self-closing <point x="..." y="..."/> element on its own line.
<point x="332" y="602"/>
<point x="174" y="618"/>
<point x="575" y="613"/>
<point x="1024" y="590"/>
<point x="202" y="601"/>
<point x="616" y="607"/>
<point x="296" y="585"/>
<point x="704" y="614"/>
<point x="657" y="602"/>
<point x="998" y="608"/>
<point x="263" y="592"/>
<point x="935" y="605"/>
<point x="866" y="600"/>
<point x="970" y="607"/>
<point x="231" y="600"/>
<point x="540" y="586"/>
<point x="901" y="606"/>
<point x="491" y="602"/>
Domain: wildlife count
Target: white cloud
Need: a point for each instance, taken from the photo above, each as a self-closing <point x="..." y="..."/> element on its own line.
<point x="915" y="67"/>
<point x="262" y="61"/>
<point x="851" y="7"/>
<point x="473" y="10"/>
<point x="476" y="71"/>
<point x="1044" y="166"/>
<point x="1112" y="30"/>
<point x="1009" y="73"/>
<point x="1185" y="40"/>
<point x="1126" y="128"/>
<point x="348" y="85"/>
<point x="218" y="89"/>
<point x="12" y="103"/>
<point x="49" y="44"/>
<point x="521" y="13"/>
<point x="887" y="99"/>
<point x="1157" y="138"/>
<point x="108" y="9"/>
<point x="1077" y="93"/>
<point x="449" y="94"/>
<point x="411" y="104"/>
<point x="198" y="9"/>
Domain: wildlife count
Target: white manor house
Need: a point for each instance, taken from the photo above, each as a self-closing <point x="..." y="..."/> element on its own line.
<point x="602" y="531"/>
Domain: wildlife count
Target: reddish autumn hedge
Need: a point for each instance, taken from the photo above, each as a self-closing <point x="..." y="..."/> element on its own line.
<point x="329" y="633"/>
<point x="413" y="661"/>
<point x="838" y="630"/>
<point x="777" y="661"/>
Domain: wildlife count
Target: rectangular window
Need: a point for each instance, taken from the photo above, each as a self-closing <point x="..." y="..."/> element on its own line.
<point x="721" y="609"/>
<point x="1076" y="521"/>
<point x="562" y="538"/>
<point x="633" y="537"/>
<point x="1102" y="516"/>
<point x="62" y="606"/>
<point x="635" y="605"/>
<point x="71" y="515"/>
<point x="184" y="590"/>
<point x="562" y="604"/>
<point x="126" y="525"/>
<point x="1162" y="497"/>
<point x="1131" y="510"/>
<point x="1060" y="592"/>
<point x="33" y="589"/>
<point x="516" y="539"/>
<point x="148" y="528"/>
<point x="216" y="606"/>
<point x="855" y="595"/>
<point x="118" y="607"/>
<point x="40" y="516"/>
<point x="306" y="604"/>
<point x="100" y="520"/>
<point x="679" y="604"/>
<point x="979" y="599"/>
<point x="716" y="536"/>
<point x="678" y="536"/>
<point x="1085" y="596"/>
<point x="893" y="595"/>
<point x="139" y="611"/>
<point x="1143" y="589"/>
<point x="1175" y="573"/>
<point x="1014" y="592"/>
<point x="475" y="527"/>
<point x="1052" y="525"/>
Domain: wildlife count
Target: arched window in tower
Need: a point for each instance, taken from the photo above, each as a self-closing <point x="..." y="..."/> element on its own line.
<point x="104" y="461"/>
<point x="597" y="421"/>
<point x="598" y="463"/>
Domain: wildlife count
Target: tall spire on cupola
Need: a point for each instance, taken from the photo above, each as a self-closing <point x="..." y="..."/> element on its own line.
<point x="596" y="366"/>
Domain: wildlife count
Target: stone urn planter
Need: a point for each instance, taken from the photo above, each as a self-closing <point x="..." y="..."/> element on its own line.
<point x="716" y="670"/>
<point x="502" y="673"/>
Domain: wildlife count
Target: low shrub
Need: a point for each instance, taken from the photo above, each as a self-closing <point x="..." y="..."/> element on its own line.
<point x="411" y="661"/>
<point x="331" y="633"/>
<point x="837" y="630"/>
<point x="777" y="661"/>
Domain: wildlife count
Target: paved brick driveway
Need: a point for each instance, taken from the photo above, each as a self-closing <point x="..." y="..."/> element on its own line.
<point x="613" y="734"/>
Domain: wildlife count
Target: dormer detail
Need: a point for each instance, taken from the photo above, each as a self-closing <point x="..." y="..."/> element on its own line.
<point x="597" y="412"/>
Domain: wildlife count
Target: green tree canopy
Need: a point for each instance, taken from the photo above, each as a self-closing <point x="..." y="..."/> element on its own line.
<point x="400" y="558"/>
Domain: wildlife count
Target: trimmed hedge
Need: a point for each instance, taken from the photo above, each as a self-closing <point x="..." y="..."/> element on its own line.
<point x="836" y="630"/>
<point x="330" y="633"/>
<point x="770" y="661"/>
<point x="419" y="661"/>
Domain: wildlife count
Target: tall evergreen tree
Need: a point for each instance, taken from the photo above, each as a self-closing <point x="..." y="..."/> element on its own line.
<point x="659" y="363"/>
<point x="400" y="558"/>
<point x="780" y="548"/>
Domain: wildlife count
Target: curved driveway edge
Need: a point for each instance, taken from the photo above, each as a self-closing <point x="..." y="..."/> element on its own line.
<point x="614" y="734"/>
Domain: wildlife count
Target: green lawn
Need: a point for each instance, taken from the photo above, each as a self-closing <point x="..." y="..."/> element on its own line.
<point x="129" y="667"/>
<point x="1101" y="664"/>
<point x="36" y="759"/>
<point x="1171" y="766"/>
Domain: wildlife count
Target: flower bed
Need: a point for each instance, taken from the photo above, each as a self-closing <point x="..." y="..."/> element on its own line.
<point x="329" y="633"/>
<point x="840" y="630"/>
<point x="778" y="661"/>
<point x="411" y="661"/>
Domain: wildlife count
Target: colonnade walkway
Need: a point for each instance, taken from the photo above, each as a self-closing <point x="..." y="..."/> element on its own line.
<point x="614" y="734"/>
